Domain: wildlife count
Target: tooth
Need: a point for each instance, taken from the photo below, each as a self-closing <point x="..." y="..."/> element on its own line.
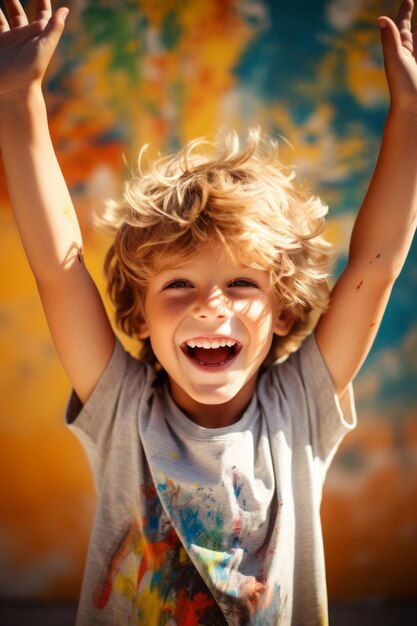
<point x="215" y="344"/>
<point x="191" y="344"/>
<point x="199" y="344"/>
<point x="222" y="343"/>
<point x="230" y="343"/>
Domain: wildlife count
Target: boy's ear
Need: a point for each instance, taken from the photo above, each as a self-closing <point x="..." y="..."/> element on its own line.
<point x="142" y="331"/>
<point x="284" y="322"/>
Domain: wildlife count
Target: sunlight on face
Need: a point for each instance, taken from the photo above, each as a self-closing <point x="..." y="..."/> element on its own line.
<point x="211" y="324"/>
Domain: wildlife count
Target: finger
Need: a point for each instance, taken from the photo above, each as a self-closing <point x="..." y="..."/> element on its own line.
<point x="17" y="16"/>
<point x="43" y="10"/>
<point x="398" y="33"/>
<point x="4" y="24"/>
<point x="403" y="22"/>
<point x="403" y="19"/>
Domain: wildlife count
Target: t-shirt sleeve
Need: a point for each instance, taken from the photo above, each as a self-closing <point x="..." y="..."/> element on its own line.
<point x="114" y="400"/>
<point x="320" y="418"/>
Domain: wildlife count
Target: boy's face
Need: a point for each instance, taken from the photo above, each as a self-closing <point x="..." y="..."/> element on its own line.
<point x="211" y="324"/>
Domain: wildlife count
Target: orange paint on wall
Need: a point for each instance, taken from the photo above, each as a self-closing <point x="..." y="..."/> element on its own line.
<point x="370" y="517"/>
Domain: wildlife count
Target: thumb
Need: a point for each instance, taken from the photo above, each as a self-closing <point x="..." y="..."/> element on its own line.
<point x="55" y="26"/>
<point x="390" y="37"/>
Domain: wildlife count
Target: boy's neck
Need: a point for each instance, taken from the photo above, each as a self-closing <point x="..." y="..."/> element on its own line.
<point x="213" y="415"/>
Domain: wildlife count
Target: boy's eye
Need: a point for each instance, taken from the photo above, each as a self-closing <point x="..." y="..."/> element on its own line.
<point x="243" y="282"/>
<point x="178" y="283"/>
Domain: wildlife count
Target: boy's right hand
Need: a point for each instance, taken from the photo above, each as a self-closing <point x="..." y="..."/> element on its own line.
<point x="27" y="48"/>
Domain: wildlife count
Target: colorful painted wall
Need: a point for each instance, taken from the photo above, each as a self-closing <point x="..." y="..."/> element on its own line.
<point x="164" y="71"/>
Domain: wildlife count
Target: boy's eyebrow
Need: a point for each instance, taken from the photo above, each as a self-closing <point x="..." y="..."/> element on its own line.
<point x="169" y="270"/>
<point x="174" y="268"/>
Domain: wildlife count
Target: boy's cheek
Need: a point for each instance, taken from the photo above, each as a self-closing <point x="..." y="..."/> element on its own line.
<point x="252" y="309"/>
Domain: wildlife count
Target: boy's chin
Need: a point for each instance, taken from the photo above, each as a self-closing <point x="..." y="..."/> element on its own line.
<point x="215" y="397"/>
<point x="236" y="396"/>
<point x="211" y="394"/>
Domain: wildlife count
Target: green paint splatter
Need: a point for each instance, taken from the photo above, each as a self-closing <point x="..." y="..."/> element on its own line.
<point x="171" y="30"/>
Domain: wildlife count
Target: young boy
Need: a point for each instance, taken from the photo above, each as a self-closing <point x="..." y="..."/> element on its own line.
<point x="209" y="456"/>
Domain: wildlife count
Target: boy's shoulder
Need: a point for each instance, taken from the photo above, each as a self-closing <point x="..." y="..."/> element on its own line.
<point x="124" y="380"/>
<point x="299" y="393"/>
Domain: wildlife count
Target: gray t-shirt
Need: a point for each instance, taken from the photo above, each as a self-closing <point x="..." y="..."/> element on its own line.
<point x="209" y="527"/>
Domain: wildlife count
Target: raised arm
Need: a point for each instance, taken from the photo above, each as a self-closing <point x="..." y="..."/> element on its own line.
<point x="386" y="222"/>
<point x="40" y="199"/>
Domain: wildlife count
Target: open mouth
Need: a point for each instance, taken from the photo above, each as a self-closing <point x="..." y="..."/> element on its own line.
<point x="211" y="352"/>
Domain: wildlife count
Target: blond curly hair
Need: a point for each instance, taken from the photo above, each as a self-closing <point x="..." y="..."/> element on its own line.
<point x="227" y="191"/>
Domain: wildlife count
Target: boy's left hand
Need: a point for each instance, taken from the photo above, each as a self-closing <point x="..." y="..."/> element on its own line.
<point x="399" y="45"/>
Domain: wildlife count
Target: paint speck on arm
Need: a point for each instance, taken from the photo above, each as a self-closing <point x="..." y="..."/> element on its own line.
<point x="372" y="324"/>
<point x="69" y="213"/>
<point x="359" y="285"/>
<point x="377" y="256"/>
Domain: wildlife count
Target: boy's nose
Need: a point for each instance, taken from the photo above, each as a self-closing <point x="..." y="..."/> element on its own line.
<point x="214" y="305"/>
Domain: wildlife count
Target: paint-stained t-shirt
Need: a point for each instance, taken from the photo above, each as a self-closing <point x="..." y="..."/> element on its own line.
<point x="209" y="527"/>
